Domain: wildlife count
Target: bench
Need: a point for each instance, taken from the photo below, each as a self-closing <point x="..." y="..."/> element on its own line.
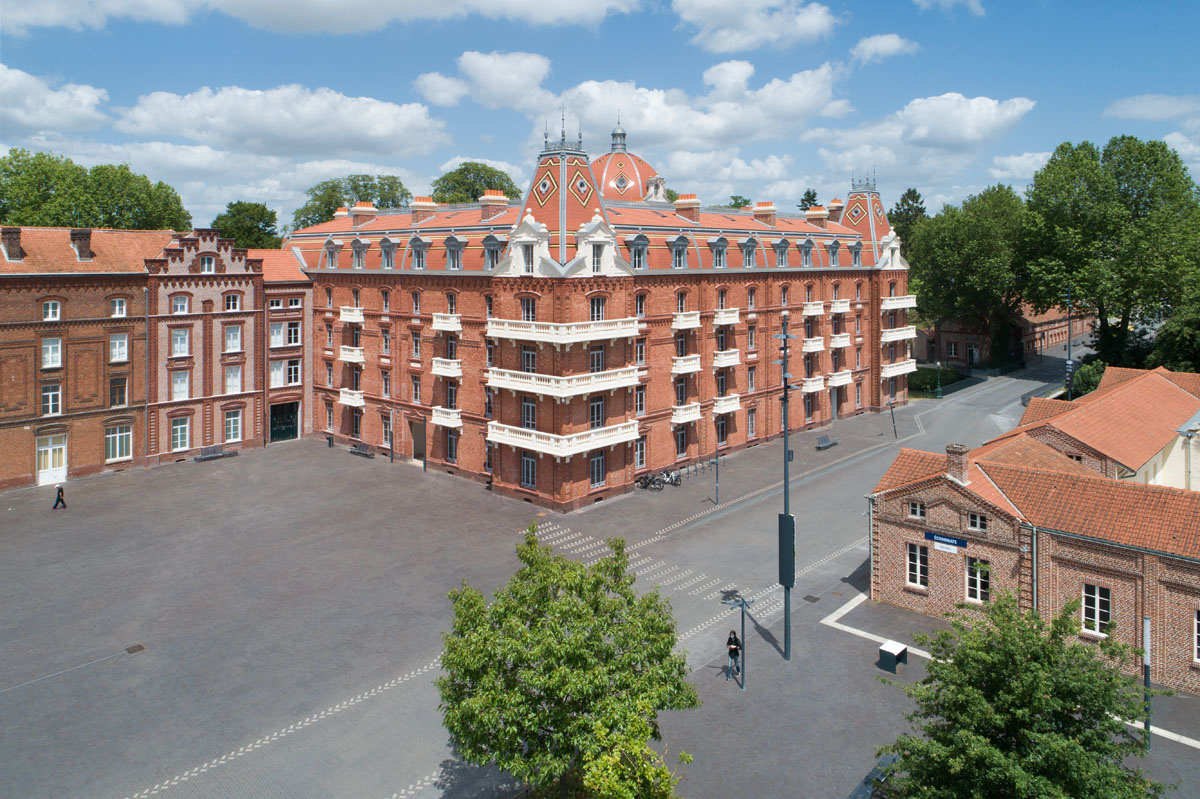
<point x="825" y="442"/>
<point x="213" y="453"/>
<point x="362" y="449"/>
<point x="892" y="654"/>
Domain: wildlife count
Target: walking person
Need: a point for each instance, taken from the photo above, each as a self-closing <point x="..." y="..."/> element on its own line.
<point x="59" y="501"/>
<point x="735" y="650"/>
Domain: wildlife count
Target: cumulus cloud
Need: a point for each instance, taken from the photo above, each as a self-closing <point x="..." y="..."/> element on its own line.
<point x="1184" y="109"/>
<point x="724" y="165"/>
<point x="726" y="27"/>
<point x="31" y="105"/>
<point x="507" y="80"/>
<point x="439" y="89"/>
<point x="1017" y="167"/>
<point x="974" y="6"/>
<point x="881" y="46"/>
<point x="292" y="120"/>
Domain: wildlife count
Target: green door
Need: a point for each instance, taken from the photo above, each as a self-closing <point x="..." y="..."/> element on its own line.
<point x="285" y="421"/>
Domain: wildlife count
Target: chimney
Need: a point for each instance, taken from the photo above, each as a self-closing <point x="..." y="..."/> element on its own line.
<point x="341" y="213"/>
<point x="492" y="204"/>
<point x="422" y="208"/>
<point x="11" y="238"/>
<point x="362" y="213"/>
<point x="765" y="212"/>
<point x="688" y="207"/>
<point x="81" y="240"/>
<point x="816" y="215"/>
<point x="956" y="462"/>
<point x="835" y="210"/>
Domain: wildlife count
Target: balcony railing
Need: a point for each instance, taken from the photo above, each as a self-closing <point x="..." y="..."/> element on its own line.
<point x="684" y="414"/>
<point x="685" y="320"/>
<point x="898" y="334"/>
<point x="839" y="306"/>
<point x="810" y="385"/>
<point x="351" y="354"/>
<point x="352" y="316"/>
<point x="815" y="344"/>
<point x="723" y="358"/>
<point x="898" y="303"/>
<point x="839" y="340"/>
<point x="562" y="386"/>
<point x="447" y="367"/>
<point x="447" y="322"/>
<point x="562" y="332"/>
<point x="686" y="364"/>
<point x="352" y="398"/>
<point x="725" y="316"/>
<point x="842" y="378"/>
<point x="897" y="369"/>
<point x="816" y="308"/>
<point x="561" y="446"/>
<point x="447" y="417"/>
<point x="727" y="404"/>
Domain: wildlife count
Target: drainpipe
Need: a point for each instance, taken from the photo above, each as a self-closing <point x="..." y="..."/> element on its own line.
<point x="261" y="354"/>
<point x="146" y="387"/>
<point x="870" y="546"/>
<point x="1035" y="569"/>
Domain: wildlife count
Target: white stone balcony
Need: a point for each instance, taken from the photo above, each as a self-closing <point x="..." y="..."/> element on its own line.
<point x="837" y="340"/>
<point x="351" y="354"/>
<point x="685" y="364"/>
<point x="725" y="316"/>
<point x="685" y="320"/>
<point x="898" y="303"/>
<point x="727" y="404"/>
<point x="839" y="306"/>
<point x="447" y="322"/>
<point x="562" y="446"/>
<point x="447" y="417"/>
<point x="810" y="385"/>
<point x="842" y="378"/>
<point x="564" y="386"/>
<point x="724" y="358"/>
<point x="816" y="344"/>
<point x="898" y="368"/>
<point x="558" y="333"/>
<point x="350" y="315"/>
<point x="447" y="367"/>
<point x="898" y="334"/>
<point x="816" y="308"/>
<point x="684" y="414"/>
<point x="351" y="398"/>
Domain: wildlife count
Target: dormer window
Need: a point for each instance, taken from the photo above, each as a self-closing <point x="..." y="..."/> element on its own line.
<point x="749" y="259"/>
<point x="679" y="253"/>
<point x="208" y="264"/>
<point x="597" y="258"/>
<point x="527" y="257"/>
<point x="419" y="247"/>
<point x="359" y="255"/>
<point x="781" y="253"/>
<point x="833" y="253"/>
<point x="856" y="254"/>
<point x="718" y="246"/>
<point x="51" y="310"/>
<point x="331" y="257"/>
<point x="806" y="253"/>
<point x="387" y="254"/>
<point x="493" y="251"/>
<point x="454" y="251"/>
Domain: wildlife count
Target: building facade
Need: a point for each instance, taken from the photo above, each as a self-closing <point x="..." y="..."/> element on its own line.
<point x="558" y="347"/>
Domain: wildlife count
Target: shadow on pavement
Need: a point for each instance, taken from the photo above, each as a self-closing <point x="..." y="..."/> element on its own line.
<point x="462" y="780"/>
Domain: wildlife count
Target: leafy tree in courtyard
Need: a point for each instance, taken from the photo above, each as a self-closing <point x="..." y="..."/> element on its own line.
<point x="1177" y="345"/>
<point x="738" y="201"/>
<point x="1087" y="378"/>
<point x="807" y="200"/>
<point x="385" y="191"/>
<point x="905" y="214"/>
<point x="250" y="225"/>
<point x="467" y="182"/>
<point x="562" y="676"/>
<point x="1016" y="707"/>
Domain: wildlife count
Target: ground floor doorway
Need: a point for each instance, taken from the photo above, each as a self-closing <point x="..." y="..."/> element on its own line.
<point x="51" y="459"/>
<point x="285" y="421"/>
<point x="417" y="431"/>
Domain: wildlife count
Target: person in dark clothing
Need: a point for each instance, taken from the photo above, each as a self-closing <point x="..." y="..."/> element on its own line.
<point x="59" y="501"/>
<point x="735" y="650"/>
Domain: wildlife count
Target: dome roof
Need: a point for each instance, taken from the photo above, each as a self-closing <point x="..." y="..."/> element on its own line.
<point x="618" y="130"/>
<point x="622" y="176"/>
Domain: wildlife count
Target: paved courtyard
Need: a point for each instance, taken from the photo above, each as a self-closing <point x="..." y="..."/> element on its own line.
<point x="290" y="602"/>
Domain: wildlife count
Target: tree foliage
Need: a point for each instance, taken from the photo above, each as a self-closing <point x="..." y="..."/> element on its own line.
<point x="1087" y="378"/>
<point x="385" y="191"/>
<point x="1177" y="345"/>
<point x="1015" y="707"/>
<point x="738" y="201"/>
<point x="807" y="200"/>
<point x="467" y="182"/>
<point x="905" y="214"/>
<point x="53" y="191"/>
<point x="563" y="674"/>
<point x="250" y="225"/>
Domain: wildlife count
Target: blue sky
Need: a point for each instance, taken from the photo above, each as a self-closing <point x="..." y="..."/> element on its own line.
<point x="257" y="99"/>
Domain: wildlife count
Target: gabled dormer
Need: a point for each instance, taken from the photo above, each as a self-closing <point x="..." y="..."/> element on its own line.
<point x="596" y="251"/>
<point x="529" y="252"/>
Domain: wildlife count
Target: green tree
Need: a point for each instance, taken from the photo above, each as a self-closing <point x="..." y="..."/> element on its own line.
<point x="1015" y="707"/>
<point x="1177" y="345"/>
<point x="250" y="225"/>
<point x="964" y="263"/>
<point x="672" y="195"/>
<point x="467" y="182"/>
<point x="738" y="201"/>
<point x="905" y="214"/>
<point x="385" y="191"/>
<point x="807" y="200"/>
<point x="561" y="677"/>
<point x="1087" y="378"/>
<point x="1120" y="227"/>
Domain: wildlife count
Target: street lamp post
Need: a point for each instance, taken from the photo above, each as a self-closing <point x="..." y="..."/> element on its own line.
<point x="938" y="364"/>
<point x="787" y="522"/>
<point x="716" y="461"/>
<point x="1070" y="363"/>
<point x="743" y="603"/>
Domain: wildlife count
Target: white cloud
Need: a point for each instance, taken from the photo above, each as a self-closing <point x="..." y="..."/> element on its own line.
<point x="290" y="120"/>
<point x="507" y="80"/>
<point x="975" y="6"/>
<point x="837" y="108"/>
<point x="1155" y="107"/>
<point x="724" y="165"/>
<point x="727" y="27"/>
<point x="440" y="89"/>
<point x="30" y="105"/>
<point x="1017" y="167"/>
<point x="881" y="46"/>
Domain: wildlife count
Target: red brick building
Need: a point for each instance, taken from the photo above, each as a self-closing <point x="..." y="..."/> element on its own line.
<point x="1032" y="334"/>
<point x="560" y="346"/>
<point x="289" y="334"/>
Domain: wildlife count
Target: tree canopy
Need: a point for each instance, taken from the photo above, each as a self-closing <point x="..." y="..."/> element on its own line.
<point x="385" y="191"/>
<point x="53" y="191"/>
<point x="467" y="182"/>
<point x="807" y="200"/>
<point x="1087" y="378"/>
<point x="250" y="225"/>
<point x="563" y="674"/>
<point x="738" y="201"/>
<point x="1016" y="707"/>
<point x="1177" y="345"/>
<point x="905" y="214"/>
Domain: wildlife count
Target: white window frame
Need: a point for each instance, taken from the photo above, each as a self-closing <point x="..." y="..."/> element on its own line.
<point x="639" y="462"/>
<point x="917" y="566"/>
<point x="51" y="311"/>
<point x="276" y="330"/>
<point x="51" y="394"/>
<point x="233" y="425"/>
<point x="978" y="580"/>
<point x="233" y="302"/>
<point x="233" y="338"/>
<point x="117" y="307"/>
<point x="233" y="379"/>
<point x="916" y="510"/>
<point x="639" y="351"/>
<point x="208" y="264"/>
<point x="51" y="353"/>
<point x="118" y="347"/>
<point x="293" y="372"/>
<point x="181" y="342"/>
<point x="295" y="302"/>
<point x="277" y="374"/>
<point x="181" y="434"/>
<point x="751" y="422"/>
<point x="597" y="471"/>
<point x="180" y="304"/>
<point x="680" y="442"/>
<point x="293" y="334"/>
<point x="977" y="521"/>
<point x="639" y="401"/>
<point x="118" y="443"/>
<point x="181" y="385"/>
<point x="751" y="374"/>
<point x="275" y="304"/>
<point x="528" y="470"/>
<point x="1096" y="611"/>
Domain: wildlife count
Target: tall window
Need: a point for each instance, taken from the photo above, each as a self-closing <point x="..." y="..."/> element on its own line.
<point x="639" y="462"/>
<point x="180" y="385"/>
<point x="118" y="347"/>
<point x="116" y="306"/>
<point x="180" y="342"/>
<point x="454" y="261"/>
<point x="783" y="295"/>
<point x="293" y="372"/>
<point x="681" y="302"/>
<point x="781" y="255"/>
<point x="488" y="302"/>
<point x="488" y="450"/>
<point x="418" y="257"/>
<point x="596" y="468"/>
<point x="452" y="347"/>
<point x="328" y="373"/>
<point x="1196" y="639"/>
<point x="181" y="434"/>
<point x="527" y="257"/>
<point x="385" y="341"/>
<point x="386" y="430"/>
<point x="751" y="332"/>
<point x="680" y="346"/>
<point x="808" y="408"/>
<point x="233" y="338"/>
<point x="721" y="295"/>
<point x="721" y="430"/>
<point x="451" y="441"/>
<point x="490" y="349"/>
<point x="451" y="394"/>
<point x="51" y="399"/>
<point x="416" y="346"/>
<point x="833" y="253"/>
<point x="328" y="416"/>
<point x="1097" y="608"/>
<point x="858" y="395"/>
<point x="386" y="380"/>
<point x="386" y="298"/>
<point x="328" y="296"/>
<point x="488" y="400"/>
<point x="528" y="470"/>
<point x="528" y="359"/>
<point x="596" y="358"/>
<point x="233" y="425"/>
<point x="680" y="442"/>
<point x="356" y="423"/>
<point x="750" y="293"/>
<point x="637" y="257"/>
<point x="751" y="373"/>
<point x="596" y="413"/>
<point x="639" y="400"/>
<point x="680" y="391"/>
<point x="357" y="297"/>
<point x="492" y="257"/>
<point x="117" y="393"/>
<point x="806" y="254"/>
<point x="416" y="389"/>
<point x="718" y="257"/>
<point x="748" y="253"/>
<point x="751" y="422"/>
<point x="50" y="311"/>
<point x="978" y="580"/>
<point x="721" y="383"/>
<point x="416" y="301"/>
<point x="452" y="303"/>
<point x="679" y="255"/>
<point x="233" y="379"/>
<point x="179" y="304"/>
<point x="277" y="374"/>
<point x="118" y="442"/>
<point x="387" y="254"/>
<point x="721" y="339"/>
<point x="597" y="308"/>
<point x="597" y="258"/>
<point x="528" y="413"/>
<point x="918" y="565"/>
<point x="639" y="351"/>
<point x="528" y="309"/>
<point x="51" y="353"/>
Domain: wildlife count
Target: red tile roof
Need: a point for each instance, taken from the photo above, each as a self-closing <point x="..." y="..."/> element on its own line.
<point x="279" y="266"/>
<point x="1043" y="408"/>
<point x="49" y="250"/>
<point x="910" y="466"/>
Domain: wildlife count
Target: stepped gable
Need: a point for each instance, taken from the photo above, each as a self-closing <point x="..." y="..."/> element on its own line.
<point x="563" y="195"/>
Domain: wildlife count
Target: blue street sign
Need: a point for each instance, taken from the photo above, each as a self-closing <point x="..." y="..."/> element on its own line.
<point x="946" y="539"/>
